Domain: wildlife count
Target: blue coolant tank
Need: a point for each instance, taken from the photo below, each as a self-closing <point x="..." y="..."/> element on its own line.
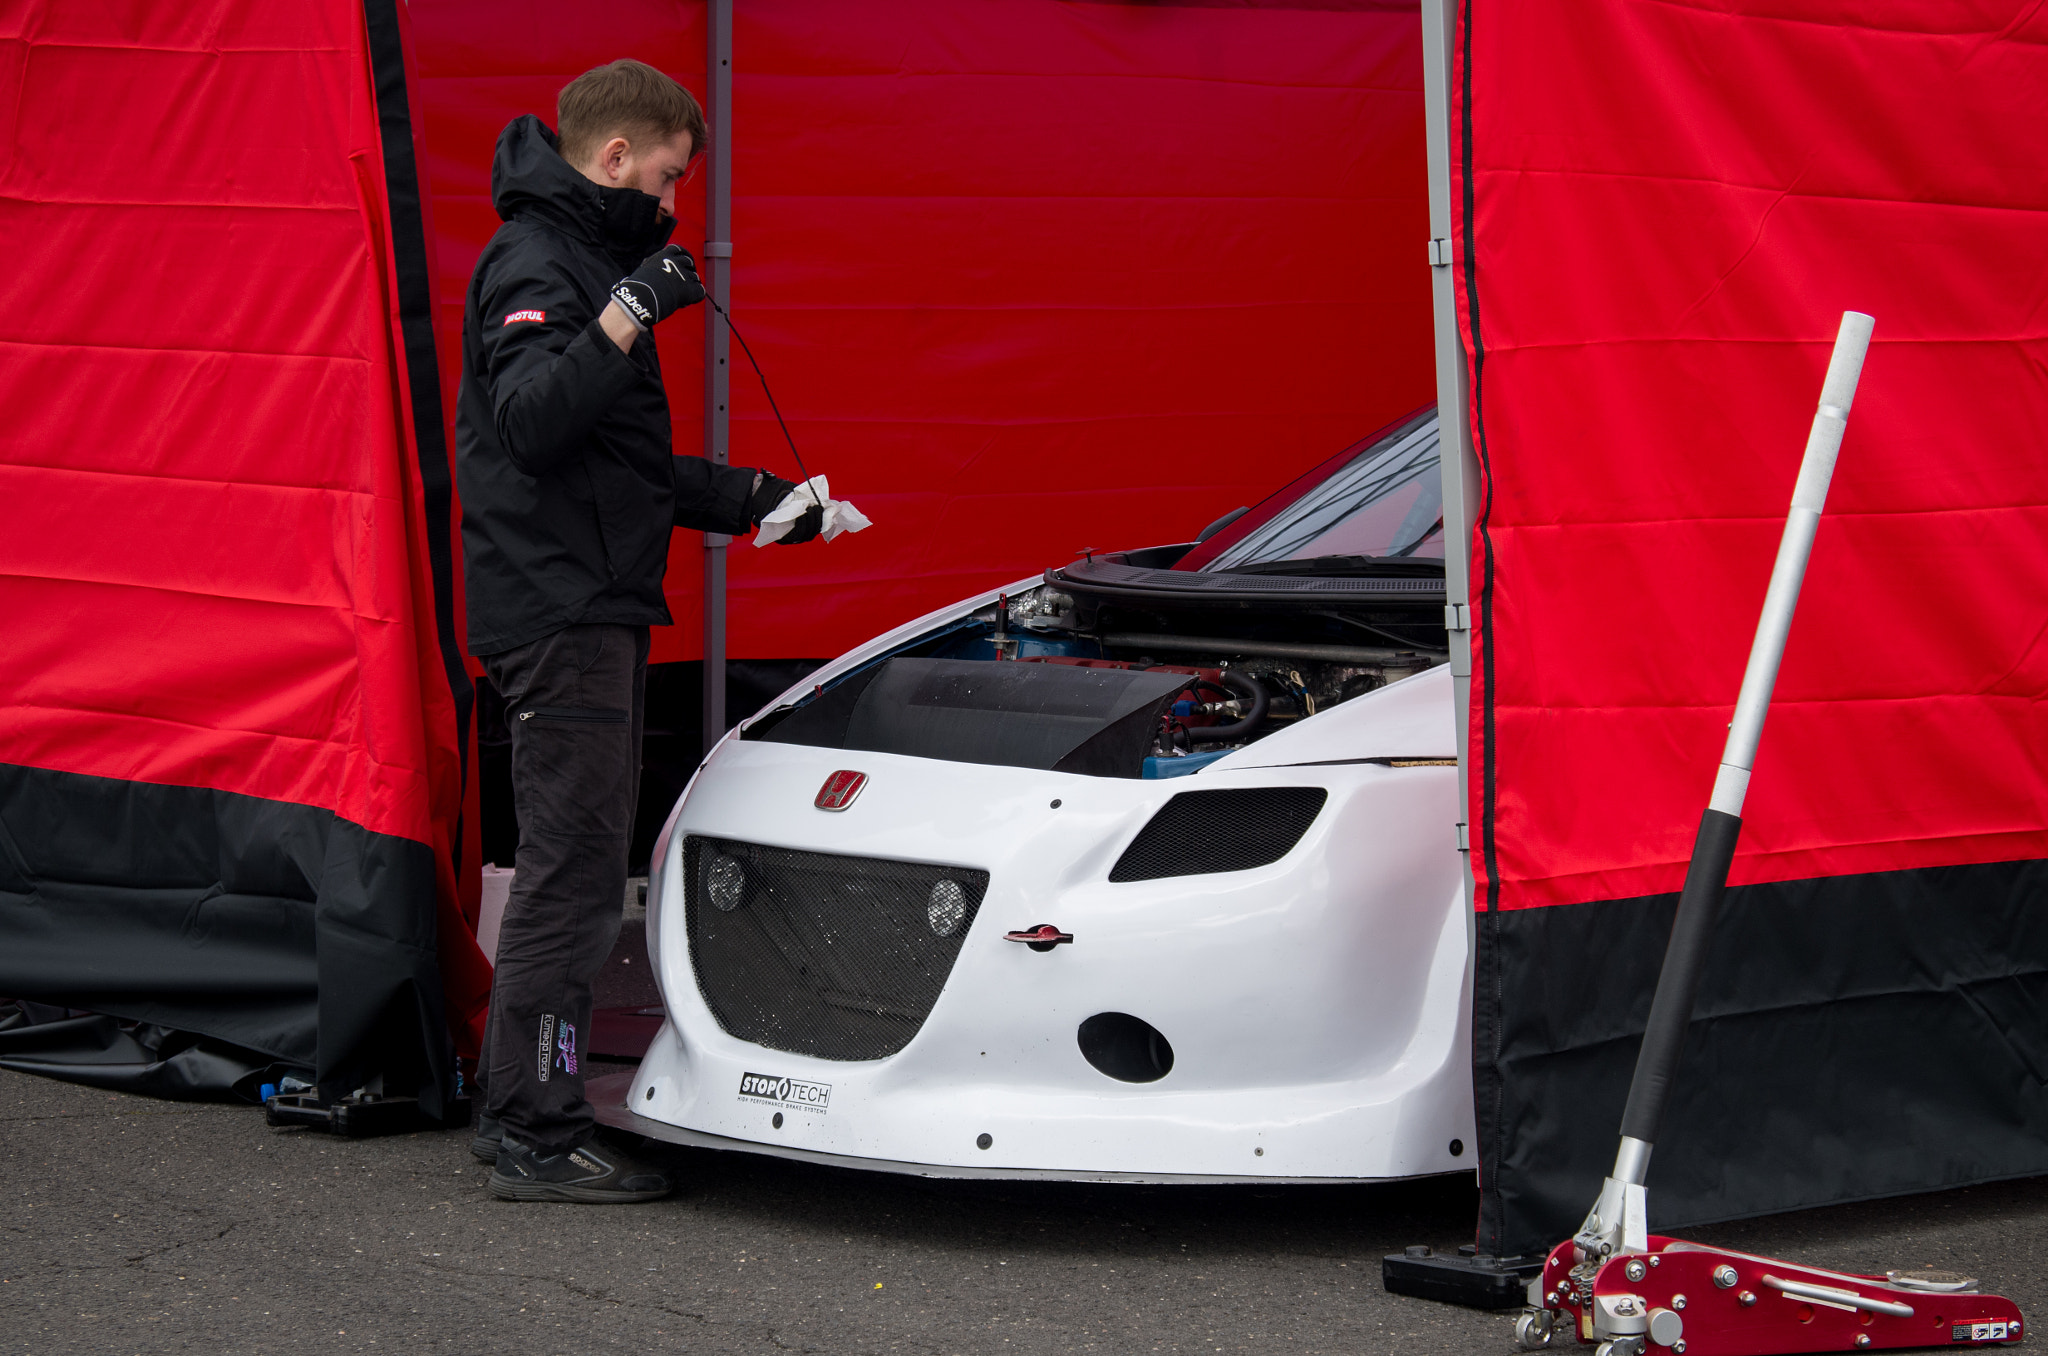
<point x="1156" y="768"/>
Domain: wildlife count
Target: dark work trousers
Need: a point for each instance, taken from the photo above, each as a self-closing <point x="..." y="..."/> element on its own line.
<point x="574" y="702"/>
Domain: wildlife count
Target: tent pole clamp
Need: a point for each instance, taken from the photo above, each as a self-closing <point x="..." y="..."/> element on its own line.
<point x="1439" y="253"/>
<point x="1458" y="635"/>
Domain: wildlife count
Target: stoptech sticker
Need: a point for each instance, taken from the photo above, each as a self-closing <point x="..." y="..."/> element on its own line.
<point x="786" y="1091"/>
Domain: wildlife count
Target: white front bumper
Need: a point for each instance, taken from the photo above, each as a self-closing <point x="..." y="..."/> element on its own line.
<point x="1316" y="1007"/>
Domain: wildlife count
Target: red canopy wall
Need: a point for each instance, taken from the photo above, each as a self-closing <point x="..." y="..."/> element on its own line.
<point x="1662" y="212"/>
<point x="1026" y="276"/>
<point x="229" y="773"/>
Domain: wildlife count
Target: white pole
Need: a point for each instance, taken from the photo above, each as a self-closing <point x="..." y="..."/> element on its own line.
<point x="1809" y="495"/>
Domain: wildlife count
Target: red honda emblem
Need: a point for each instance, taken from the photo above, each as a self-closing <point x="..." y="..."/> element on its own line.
<point x="839" y="790"/>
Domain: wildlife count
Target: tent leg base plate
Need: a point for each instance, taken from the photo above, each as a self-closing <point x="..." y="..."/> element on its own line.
<point x="1473" y="1281"/>
<point x="358" y="1117"/>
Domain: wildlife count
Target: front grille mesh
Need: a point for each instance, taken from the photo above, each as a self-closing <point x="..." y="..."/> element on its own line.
<point x="821" y="954"/>
<point x="1199" y="832"/>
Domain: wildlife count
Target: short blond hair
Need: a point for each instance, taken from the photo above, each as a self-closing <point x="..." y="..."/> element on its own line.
<point x="627" y="99"/>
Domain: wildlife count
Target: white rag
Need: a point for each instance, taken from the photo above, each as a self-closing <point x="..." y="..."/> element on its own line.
<point x="840" y="516"/>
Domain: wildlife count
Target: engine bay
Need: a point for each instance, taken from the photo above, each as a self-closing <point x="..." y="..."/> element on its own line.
<point x="1121" y="666"/>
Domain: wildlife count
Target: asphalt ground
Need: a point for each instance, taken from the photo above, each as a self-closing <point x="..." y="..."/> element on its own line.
<point x="136" y="1226"/>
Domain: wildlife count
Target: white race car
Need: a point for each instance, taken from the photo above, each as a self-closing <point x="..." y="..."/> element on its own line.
<point x="1142" y="871"/>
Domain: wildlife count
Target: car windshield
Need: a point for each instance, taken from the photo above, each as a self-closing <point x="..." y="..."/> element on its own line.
<point x="1382" y="499"/>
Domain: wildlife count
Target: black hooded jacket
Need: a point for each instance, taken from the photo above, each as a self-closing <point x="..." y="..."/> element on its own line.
<point x="562" y="452"/>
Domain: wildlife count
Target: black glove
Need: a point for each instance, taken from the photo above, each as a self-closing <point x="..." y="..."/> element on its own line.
<point x="803" y="529"/>
<point x="772" y="491"/>
<point x="663" y="284"/>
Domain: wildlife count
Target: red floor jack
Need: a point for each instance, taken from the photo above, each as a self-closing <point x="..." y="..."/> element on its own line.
<point x="1629" y="1292"/>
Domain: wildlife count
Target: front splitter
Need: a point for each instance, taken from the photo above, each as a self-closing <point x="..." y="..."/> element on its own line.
<point x="609" y="1097"/>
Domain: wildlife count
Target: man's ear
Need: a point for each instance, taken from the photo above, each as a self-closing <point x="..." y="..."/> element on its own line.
<point x="611" y="157"/>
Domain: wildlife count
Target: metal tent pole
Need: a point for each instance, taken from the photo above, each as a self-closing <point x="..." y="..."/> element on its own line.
<point x="1483" y="1281"/>
<point x="1618" y="1220"/>
<point x="1453" y="386"/>
<point x="718" y="282"/>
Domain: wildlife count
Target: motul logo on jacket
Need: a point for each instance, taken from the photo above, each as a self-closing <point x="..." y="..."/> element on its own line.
<point x="839" y="790"/>
<point x="526" y="315"/>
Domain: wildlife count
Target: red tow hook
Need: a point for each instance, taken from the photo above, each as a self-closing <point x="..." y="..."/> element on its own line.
<point x="1043" y="937"/>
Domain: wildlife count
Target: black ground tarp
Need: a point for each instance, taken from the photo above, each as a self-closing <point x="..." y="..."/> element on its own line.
<point x="276" y="929"/>
<point x="105" y="1052"/>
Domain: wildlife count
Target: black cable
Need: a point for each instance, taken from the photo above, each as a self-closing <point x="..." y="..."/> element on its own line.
<point x="766" y="392"/>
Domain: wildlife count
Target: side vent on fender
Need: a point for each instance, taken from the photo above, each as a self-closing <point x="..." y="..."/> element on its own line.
<point x="1198" y="833"/>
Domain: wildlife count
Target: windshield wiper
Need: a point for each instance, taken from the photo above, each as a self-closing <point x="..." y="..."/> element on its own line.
<point x="1340" y="565"/>
<point x="1409" y="549"/>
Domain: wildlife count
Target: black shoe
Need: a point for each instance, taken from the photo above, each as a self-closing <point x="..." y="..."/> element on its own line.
<point x="489" y="1135"/>
<point x="589" y="1174"/>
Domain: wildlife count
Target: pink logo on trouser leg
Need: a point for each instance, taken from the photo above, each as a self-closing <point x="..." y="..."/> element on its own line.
<point x="565" y="1048"/>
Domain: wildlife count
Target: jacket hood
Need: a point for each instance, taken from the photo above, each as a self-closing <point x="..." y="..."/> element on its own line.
<point x="531" y="182"/>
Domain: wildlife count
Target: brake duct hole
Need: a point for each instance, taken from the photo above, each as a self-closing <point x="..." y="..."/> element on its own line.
<point x="1125" y="1047"/>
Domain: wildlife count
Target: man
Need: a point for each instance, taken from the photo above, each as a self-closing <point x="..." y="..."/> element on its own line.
<point x="570" y="491"/>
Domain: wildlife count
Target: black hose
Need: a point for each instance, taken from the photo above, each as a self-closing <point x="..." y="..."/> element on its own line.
<point x="1244" y="686"/>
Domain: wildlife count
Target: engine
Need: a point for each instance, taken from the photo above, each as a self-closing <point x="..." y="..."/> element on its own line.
<point x="1239" y="687"/>
<point x="1155" y="687"/>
